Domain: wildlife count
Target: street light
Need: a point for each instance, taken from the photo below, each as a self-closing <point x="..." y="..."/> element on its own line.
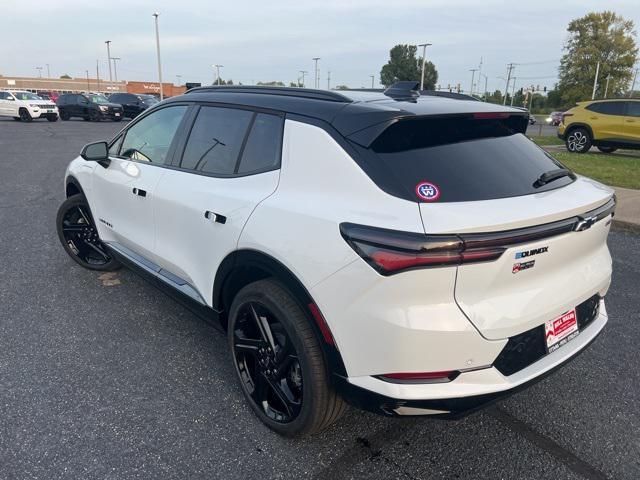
<point x="315" y="81"/>
<point x="115" y="69"/>
<point x="303" y="72"/>
<point x="179" y="77"/>
<point x="48" y="71"/>
<point x="39" y="72"/>
<point x="217" y="67"/>
<point x="372" y="77"/>
<point x="156" y="14"/>
<point x="108" y="42"/>
<point x="473" y="75"/>
<point x="424" y="61"/>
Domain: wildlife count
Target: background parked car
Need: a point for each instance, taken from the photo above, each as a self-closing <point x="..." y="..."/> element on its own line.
<point x="133" y="104"/>
<point x="88" y="106"/>
<point x="26" y="106"/>
<point x="606" y="124"/>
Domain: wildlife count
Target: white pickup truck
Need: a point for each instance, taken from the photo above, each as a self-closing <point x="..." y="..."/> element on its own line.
<point x="25" y="106"/>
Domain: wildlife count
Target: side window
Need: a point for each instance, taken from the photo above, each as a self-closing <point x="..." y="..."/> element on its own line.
<point x="115" y="98"/>
<point x="633" y="109"/>
<point x="149" y="139"/>
<point x="3" y="96"/>
<point x="215" y="140"/>
<point x="115" y="146"/>
<point x="81" y="99"/>
<point x="262" y="151"/>
<point x="608" y="108"/>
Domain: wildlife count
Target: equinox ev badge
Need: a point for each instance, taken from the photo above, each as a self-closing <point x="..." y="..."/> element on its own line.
<point x="534" y="251"/>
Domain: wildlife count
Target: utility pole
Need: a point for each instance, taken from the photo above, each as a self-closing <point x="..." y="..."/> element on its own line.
<point x="155" y="15"/>
<point x="48" y="71"/>
<point x="315" y="82"/>
<point x="595" y="82"/>
<point x="486" y="79"/>
<point x="506" y="90"/>
<point x="218" y="67"/>
<point x="633" y="84"/>
<point x="88" y="86"/>
<point x="303" y="72"/>
<point x="372" y="77"/>
<point x="513" y="91"/>
<point x="328" y="79"/>
<point x="108" y="42"/>
<point x="606" y="88"/>
<point x="473" y="75"/>
<point x="98" y="74"/>
<point x="424" y="61"/>
<point x="39" y="72"/>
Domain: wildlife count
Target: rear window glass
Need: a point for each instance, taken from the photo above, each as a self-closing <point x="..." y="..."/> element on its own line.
<point x="607" y="108"/>
<point x="467" y="158"/>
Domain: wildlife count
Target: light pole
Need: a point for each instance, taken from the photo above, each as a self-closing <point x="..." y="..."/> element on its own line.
<point x="155" y="15"/>
<point x="372" y="77"/>
<point x="473" y="76"/>
<point x="88" y="86"/>
<point x="315" y="80"/>
<point x="595" y="81"/>
<point x="39" y="72"/>
<point x="633" y="83"/>
<point x="48" y="71"/>
<point x="217" y="67"/>
<point x="606" y="88"/>
<point x="115" y="68"/>
<point x="98" y="74"/>
<point x="108" y="42"/>
<point x="303" y="72"/>
<point x="179" y="77"/>
<point x="424" y="61"/>
<point x="513" y="91"/>
<point x="506" y="90"/>
<point x="329" y="80"/>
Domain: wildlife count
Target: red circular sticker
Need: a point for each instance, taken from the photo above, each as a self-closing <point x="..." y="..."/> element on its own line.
<point x="427" y="191"/>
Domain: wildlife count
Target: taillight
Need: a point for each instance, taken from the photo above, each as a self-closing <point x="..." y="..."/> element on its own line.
<point x="420" y="377"/>
<point x="392" y="251"/>
<point x="566" y="115"/>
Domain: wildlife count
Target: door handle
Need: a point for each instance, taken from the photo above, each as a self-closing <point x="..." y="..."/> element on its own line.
<point x="139" y="192"/>
<point x="215" y="217"/>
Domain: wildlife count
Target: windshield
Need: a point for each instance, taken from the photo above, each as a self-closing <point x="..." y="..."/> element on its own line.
<point x="97" y="99"/>
<point x="26" y="96"/>
<point x="468" y="158"/>
<point x="148" y="99"/>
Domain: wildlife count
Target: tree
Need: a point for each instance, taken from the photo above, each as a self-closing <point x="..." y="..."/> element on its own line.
<point x="66" y="76"/>
<point x="404" y="65"/>
<point x="597" y="37"/>
<point x="495" y="97"/>
<point x="295" y="84"/>
<point x="273" y="83"/>
<point x="342" y="87"/>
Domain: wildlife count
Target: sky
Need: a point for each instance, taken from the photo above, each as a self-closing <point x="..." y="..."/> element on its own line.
<point x="273" y="40"/>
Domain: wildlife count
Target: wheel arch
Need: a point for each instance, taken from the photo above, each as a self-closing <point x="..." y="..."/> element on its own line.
<point x="243" y="267"/>
<point x="573" y="126"/>
<point x="72" y="187"/>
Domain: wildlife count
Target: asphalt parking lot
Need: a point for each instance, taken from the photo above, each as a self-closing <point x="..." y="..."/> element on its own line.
<point x="102" y="376"/>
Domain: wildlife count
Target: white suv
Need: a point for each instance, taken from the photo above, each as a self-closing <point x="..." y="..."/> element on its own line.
<point x="411" y="255"/>
<point x="26" y="106"/>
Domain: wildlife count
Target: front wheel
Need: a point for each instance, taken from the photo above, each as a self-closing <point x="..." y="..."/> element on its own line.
<point x="64" y="115"/>
<point x="607" y="149"/>
<point x="25" y="116"/>
<point x="79" y="236"/>
<point x="578" y="141"/>
<point x="279" y="362"/>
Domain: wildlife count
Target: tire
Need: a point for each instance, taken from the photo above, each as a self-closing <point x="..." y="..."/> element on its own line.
<point x="607" y="149"/>
<point x="117" y="119"/>
<point x="79" y="237"/>
<point x="290" y="367"/>
<point x="52" y="118"/>
<point x="25" y="116"/>
<point x="64" y="116"/>
<point x="578" y="140"/>
<point x="94" y="116"/>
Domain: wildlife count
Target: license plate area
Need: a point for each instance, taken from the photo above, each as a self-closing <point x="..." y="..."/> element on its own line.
<point x="561" y="330"/>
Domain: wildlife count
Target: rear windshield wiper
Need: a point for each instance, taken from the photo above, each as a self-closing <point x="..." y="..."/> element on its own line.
<point x="551" y="175"/>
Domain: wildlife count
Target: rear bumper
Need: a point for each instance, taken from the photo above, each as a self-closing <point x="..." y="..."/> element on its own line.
<point x="466" y="393"/>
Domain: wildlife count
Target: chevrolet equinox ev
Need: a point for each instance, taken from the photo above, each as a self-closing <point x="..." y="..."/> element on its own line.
<point x="407" y="254"/>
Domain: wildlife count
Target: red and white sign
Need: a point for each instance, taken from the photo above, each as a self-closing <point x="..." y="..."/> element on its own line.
<point x="559" y="331"/>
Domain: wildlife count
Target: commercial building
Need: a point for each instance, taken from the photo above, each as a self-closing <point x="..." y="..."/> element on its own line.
<point x="79" y="85"/>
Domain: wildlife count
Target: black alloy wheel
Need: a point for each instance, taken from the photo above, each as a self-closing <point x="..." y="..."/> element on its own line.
<point x="79" y="236"/>
<point x="64" y="115"/>
<point x="25" y="116"/>
<point x="267" y="362"/>
<point x="94" y="116"/>
<point x="279" y="361"/>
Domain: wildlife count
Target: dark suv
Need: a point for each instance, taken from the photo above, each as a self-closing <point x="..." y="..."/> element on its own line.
<point x="133" y="104"/>
<point x="88" y="106"/>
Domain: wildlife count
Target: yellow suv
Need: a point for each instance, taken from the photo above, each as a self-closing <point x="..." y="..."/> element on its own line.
<point x="606" y="124"/>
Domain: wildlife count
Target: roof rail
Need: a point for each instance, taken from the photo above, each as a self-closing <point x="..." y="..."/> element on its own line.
<point x="268" y="90"/>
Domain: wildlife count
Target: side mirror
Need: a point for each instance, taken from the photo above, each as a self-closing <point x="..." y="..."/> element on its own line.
<point x="95" y="152"/>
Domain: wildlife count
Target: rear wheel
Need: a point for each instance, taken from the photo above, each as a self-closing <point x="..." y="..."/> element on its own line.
<point x="279" y="362"/>
<point x="578" y="140"/>
<point x="79" y="236"/>
<point x="607" y="149"/>
<point x="25" y="116"/>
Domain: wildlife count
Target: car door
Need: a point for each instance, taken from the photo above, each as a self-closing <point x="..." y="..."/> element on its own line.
<point x="230" y="163"/>
<point x="632" y="122"/>
<point x="123" y="191"/>
<point x="4" y="109"/>
<point x="607" y="120"/>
